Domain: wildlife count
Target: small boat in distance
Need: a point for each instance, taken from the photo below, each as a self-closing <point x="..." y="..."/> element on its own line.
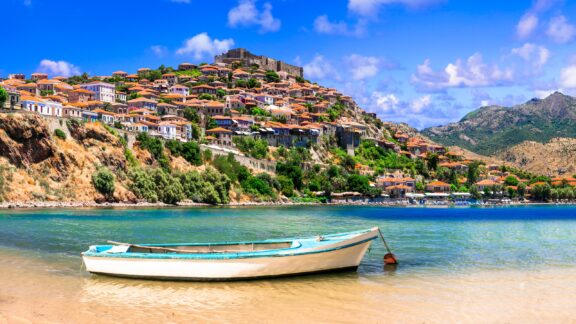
<point x="231" y="261"/>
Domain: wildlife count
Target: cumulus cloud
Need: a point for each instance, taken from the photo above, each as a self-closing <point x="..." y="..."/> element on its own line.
<point x="560" y="31"/>
<point x="370" y="7"/>
<point x="536" y="55"/>
<point x="530" y="20"/>
<point x="159" y="50"/>
<point x="362" y="67"/>
<point x="61" y="68"/>
<point x="320" y="68"/>
<point x="473" y="72"/>
<point x="568" y="77"/>
<point x="202" y="45"/>
<point x="527" y="24"/>
<point x="322" y="25"/>
<point x="247" y="14"/>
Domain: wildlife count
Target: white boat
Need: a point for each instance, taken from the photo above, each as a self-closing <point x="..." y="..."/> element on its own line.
<point x="231" y="261"/>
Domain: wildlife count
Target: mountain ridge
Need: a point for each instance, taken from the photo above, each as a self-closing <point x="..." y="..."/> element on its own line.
<point x="492" y="129"/>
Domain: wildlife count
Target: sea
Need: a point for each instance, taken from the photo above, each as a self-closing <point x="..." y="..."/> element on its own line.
<point x="512" y="264"/>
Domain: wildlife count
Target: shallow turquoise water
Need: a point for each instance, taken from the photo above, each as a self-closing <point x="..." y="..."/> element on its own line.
<point x="426" y="240"/>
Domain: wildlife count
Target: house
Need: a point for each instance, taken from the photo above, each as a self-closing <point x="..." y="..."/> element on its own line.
<point x="214" y="108"/>
<point x="266" y="99"/>
<point x="179" y="90"/>
<point x="72" y="112"/>
<point x="120" y="74"/>
<point x="80" y="95"/>
<point x="142" y="71"/>
<point x="121" y="96"/>
<point x="170" y="78"/>
<point x="40" y="106"/>
<point x="223" y="136"/>
<point x="39" y="76"/>
<point x="186" y="66"/>
<point x="47" y="86"/>
<point x="105" y="116"/>
<point x="167" y="130"/>
<point x="486" y="183"/>
<point x="200" y="89"/>
<point x="103" y="91"/>
<point x="437" y="186"/>
<point x="13" y="100"/>
<point x="31" y="88"/>
<point x="224" y="121"/>
<point x="143" y="103"/>
<point x="233" y="103"/>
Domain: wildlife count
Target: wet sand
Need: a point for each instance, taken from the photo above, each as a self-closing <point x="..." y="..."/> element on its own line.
<point x="35" y="291"/>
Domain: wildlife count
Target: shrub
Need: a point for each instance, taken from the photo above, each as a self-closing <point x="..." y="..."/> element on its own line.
<point x="103" y="181"/>
<point x="286" y="185"/>
<point x="143" y="185"/>
<point x="60" y="134"/>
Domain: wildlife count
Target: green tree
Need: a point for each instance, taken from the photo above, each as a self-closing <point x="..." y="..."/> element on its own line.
<point x="60" y="133"/>
<point x="272" y="76"/>
<point x="253" y="83"/>
<point x="286" y="185"/>
<point x="191" y="115"/>
<point x="358" y="183"/>
<point x="511" y="181"/>
<point x="432" y="160"/>
<point x="473" y="173"/>
<point x="3" y="97"/>
<point x="103" y="181"/>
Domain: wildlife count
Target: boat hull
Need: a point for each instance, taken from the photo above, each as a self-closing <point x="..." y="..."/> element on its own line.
<point x="340" y="258"/>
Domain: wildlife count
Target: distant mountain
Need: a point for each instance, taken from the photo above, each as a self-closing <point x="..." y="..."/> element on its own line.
<point x="557" y="157"/>
<point x="492" y="129"/>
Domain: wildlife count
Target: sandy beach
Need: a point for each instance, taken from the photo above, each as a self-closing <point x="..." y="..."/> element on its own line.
<point x="34" y="291"/>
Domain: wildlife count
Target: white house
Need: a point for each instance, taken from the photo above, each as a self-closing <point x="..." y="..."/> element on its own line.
<point x="103" y="91"/>
<point x="167" y="130"/>
<point x="180" y="90"/>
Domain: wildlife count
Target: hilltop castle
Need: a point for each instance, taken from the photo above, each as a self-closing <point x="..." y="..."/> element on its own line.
<point x="264" y="62"/>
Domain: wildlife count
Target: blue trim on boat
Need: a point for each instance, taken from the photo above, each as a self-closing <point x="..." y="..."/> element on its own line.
<point x="239" y="255"/>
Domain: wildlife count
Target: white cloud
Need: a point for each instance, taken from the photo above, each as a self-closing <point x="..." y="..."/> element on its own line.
<point x="568" y="77"/>
<point x="202" y="45"/>
<point x="538" y="56"/>
<point x="362" y="67"/>
<point x="369" y="8"/>
<point x="527" y="25"/>
<point x="322" y="25"/>
<point x="470" y="73"/>
<point x="419" y="104"/>
<point x="181" y="1"/>
<point x="320" y="68"/>
<point x="60" y="68"/>
<point x="530" y="20"/>
<point x="385" y="103"/>
<point x="246" y="14"/>
<point x="560" y="31"/>
<point x="159" y="50"/>
<point x="27" y="3"/>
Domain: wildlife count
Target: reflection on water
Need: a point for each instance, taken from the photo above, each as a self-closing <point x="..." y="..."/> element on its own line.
<point x="456" y="265"/>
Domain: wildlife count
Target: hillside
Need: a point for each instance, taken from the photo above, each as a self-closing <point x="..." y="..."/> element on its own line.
<point x="489" y="130"/>
<point x="557" y="157"/>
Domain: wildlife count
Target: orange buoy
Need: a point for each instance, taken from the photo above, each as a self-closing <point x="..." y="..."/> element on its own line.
<point x="389" y="258"/>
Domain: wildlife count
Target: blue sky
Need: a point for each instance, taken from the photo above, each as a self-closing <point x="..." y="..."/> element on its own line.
<point x="424" y="62"/>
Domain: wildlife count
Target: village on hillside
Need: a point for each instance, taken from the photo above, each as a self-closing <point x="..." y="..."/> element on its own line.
<point x="242" y="99"/>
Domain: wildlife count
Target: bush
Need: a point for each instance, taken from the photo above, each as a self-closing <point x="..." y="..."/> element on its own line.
<point x="60" y="134"/>
<point x="143" y="185"/>
<point x="286" y="185"/>
<point x="257" y="186"/>
<point x="103" y="181"/>
<point x="255" y="148"/>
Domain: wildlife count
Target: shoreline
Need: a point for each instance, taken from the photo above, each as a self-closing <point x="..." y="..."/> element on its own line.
<point x="91" y="204"/>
